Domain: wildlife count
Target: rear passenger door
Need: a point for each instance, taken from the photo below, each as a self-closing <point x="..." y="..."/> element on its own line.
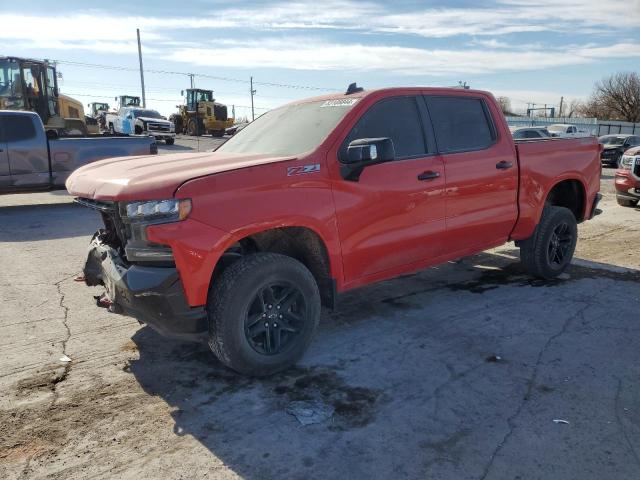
<point x="481" y="171"/>
<point x="393" y="216"/>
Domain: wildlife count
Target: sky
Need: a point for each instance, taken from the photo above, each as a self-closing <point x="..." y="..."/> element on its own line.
<point x="533" y="51"/>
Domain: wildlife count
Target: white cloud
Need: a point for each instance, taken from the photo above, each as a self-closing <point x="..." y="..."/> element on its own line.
<point x="503" y="17"/>
<point x="319" y="55"/>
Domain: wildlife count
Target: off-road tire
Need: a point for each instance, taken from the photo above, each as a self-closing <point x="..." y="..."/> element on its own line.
<point x="193" y="128"/>
<point x="623" y="202"/>
<point x="535" y="251"/>
<point x="230" y="299"/>
<point x="177" y="123"/>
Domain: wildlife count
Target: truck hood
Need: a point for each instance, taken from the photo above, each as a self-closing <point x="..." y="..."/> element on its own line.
<point x="152" y="177"/>
<point x="151" y="119"/>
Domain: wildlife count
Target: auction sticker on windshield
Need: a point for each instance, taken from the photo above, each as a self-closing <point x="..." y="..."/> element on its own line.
<point x="340" y="102"/>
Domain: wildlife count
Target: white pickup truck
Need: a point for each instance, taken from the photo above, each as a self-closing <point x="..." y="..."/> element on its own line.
<point x="141" y="121"/>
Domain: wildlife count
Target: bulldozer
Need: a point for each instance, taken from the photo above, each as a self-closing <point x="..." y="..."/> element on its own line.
<point x="27" y="84"/>
<point x="201" y="114"/>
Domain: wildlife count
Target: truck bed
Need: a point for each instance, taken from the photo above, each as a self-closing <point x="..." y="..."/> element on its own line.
<point x="543" y="162"/>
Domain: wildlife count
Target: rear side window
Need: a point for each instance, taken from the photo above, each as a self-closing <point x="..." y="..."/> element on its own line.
<point x="532" y="134"/>
<point x="460" y="123"/>
<point x="17" y="128"/>
<point x="396" y="118"/>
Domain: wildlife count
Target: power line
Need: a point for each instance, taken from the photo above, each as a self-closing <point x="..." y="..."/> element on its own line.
<point x="203" y="75"/>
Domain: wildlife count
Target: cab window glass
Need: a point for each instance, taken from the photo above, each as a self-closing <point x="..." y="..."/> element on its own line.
<point x="460" y="123"/>
<point x="396" y="118"/>
<point x="17" y="128"/>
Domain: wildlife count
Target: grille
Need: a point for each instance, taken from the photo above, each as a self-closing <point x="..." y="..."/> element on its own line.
<point x="107" y="207"/>
<point x="158" y="127"/>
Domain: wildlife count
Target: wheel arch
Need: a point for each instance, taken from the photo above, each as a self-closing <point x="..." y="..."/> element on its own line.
<point x="300" y="242"/>
<point x="570" y="193"/>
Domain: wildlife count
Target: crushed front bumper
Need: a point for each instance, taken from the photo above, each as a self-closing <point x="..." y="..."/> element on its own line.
<point x="152" y="295"/>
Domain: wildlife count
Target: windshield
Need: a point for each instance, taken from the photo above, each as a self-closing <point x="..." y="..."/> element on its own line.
<point x="204" y="96"/>
<point x="290" y="130"/>
<point x="102" y="106"/>
<point x="146" y="113"/>
<point x="130" y="101"/>
<point x="611" y="140"/>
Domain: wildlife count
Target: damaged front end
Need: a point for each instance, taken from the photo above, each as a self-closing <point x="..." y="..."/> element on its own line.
<point x="140" y="278"/>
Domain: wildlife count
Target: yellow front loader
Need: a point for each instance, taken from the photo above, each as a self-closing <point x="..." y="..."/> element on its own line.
<point x="27" y="84"/>
<point x="201" y="114"/>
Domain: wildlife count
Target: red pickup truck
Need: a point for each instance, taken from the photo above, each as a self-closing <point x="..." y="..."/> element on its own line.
<point x="243" y="245"/>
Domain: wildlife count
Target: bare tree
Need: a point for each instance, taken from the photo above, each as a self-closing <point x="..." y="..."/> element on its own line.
<point x="573" y="108"/>
<point x="616" y="97"/>
<point x="505" y="105"/>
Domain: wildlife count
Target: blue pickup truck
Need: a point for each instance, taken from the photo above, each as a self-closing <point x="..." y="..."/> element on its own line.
<point x="30" y="160"/>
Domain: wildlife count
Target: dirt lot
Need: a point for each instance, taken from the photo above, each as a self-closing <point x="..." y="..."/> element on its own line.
<point x="456" y="372"/>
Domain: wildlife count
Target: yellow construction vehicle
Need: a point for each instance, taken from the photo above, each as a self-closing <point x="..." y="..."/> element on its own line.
<point x="201" y="114"/>
<point x="27" y="84"/>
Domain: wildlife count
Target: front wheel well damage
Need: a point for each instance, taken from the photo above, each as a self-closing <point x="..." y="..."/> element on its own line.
<point x="569" y="194"/>
<point x="300" y="243"/>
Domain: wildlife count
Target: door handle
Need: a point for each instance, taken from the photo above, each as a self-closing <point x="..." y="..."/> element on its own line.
<point x="428" y="175"/>
<point x="503" y="165"/>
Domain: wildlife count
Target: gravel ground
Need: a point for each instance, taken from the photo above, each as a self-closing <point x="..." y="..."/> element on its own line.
<point x="458" y="372"/>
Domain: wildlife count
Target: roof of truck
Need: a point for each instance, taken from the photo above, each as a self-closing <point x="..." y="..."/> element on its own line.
<point x="366" y="93"/>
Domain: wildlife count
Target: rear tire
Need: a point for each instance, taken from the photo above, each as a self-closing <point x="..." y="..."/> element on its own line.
<point x="263" y="312"/>
<point x="623" y="202"/>
<point x="548" y="252"/>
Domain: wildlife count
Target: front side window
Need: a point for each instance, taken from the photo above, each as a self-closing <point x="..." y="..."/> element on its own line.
<point x="396" y="118"/>
<point x="460" y="123"/>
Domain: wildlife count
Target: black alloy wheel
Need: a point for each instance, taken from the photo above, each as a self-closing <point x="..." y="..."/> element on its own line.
<point x="276" y="316"/>
<point x="560" y="244"/>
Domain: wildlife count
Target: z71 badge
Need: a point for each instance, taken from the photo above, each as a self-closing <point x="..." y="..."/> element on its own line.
<point x="302" y="169"/>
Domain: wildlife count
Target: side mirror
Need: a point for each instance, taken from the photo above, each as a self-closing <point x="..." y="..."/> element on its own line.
<point x="365" y="152"/>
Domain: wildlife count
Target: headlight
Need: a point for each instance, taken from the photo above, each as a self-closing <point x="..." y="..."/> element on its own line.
<point x="627" y="161"/>
<point x="172" y="210"/>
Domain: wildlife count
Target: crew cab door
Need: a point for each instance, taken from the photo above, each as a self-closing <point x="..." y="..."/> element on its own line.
<point x="393" y="215"/>
<point x="481" y="170"/>
<point x="28" y="156"/>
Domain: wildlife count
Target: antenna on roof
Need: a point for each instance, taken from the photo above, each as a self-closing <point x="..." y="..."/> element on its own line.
<point x="354" y="88"/>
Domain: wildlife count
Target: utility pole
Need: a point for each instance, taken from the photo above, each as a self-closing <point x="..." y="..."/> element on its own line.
<point x="253" y="92"/>
<point x="144" y="101"/>
<point x="561" y="102"/>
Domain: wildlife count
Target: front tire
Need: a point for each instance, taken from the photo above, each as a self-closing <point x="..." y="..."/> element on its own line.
<point x="263" y="312"/>
<point x="548" y="252"/>
<point x="169" y="141"/>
